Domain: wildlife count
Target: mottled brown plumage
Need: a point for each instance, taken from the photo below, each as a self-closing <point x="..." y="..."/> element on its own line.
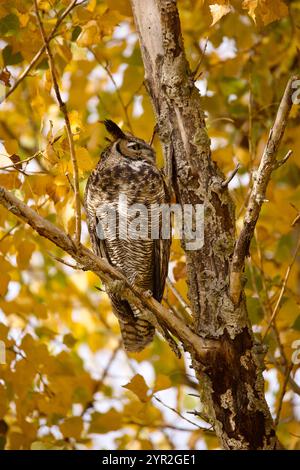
<point x="128" y="166"/>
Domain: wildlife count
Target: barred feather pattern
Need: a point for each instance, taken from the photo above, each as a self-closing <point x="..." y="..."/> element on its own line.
<point x="144" y="262"/>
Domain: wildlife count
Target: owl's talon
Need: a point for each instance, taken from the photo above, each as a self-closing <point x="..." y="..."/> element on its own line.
<point x="148" y="294"/>
<point x="116" y="287"/>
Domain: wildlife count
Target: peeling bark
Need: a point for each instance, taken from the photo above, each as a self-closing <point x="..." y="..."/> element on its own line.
<point x="230" y="377"/>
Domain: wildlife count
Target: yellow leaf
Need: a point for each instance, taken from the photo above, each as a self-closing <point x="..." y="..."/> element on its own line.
<point x="266" y="10"/>
<point x="11" y="146"/>
<point x="72" y="427"/>
<point x="138" y="386"/>
<point x="25" y="250"/>
<point x="75" y="122"/>
<point x="218" y="11"/>
<point x="23" y="18"/>
<point x="50" y="155"/>
<point x="123" y="6"/>
<point x="10" y="181"/>
<point x="89" y="34"/>
<point x="162" y="383"/>
<point x="91" y="5"/>
<point x="4" y="281"/>
<point x="84" y="160"/>
<point x="105" y="422"/>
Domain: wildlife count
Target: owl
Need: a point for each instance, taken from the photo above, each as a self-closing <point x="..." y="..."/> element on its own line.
<point x="127" y="168"/>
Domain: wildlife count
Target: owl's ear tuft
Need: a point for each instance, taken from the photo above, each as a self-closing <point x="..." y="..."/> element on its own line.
<point x="113" y="129"/>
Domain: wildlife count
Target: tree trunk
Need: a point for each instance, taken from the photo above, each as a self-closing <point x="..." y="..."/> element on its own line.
<point x="230" y="377"/>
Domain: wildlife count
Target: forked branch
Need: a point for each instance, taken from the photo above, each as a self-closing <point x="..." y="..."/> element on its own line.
<point x="258" y="194"/>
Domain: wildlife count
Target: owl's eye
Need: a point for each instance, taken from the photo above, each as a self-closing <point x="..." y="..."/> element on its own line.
<point x="133" y="146"/>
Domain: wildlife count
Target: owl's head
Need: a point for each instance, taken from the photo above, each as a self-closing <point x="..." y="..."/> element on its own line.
<point x="128" y="145"/>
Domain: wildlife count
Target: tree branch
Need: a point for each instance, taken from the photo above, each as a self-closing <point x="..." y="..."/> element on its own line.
<point x="107" y="273"/>
<point x="64" y="111"/>
<point x="258" y="194"/>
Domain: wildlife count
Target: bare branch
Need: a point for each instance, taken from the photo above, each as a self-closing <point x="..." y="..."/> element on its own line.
<point x="180" y="415"/>
<point x="284" y="387"/>
<point x="90" y="262"/>
<point x="38" y="55"/>
<point x="64" y="111"/>
<point x="106" y="68"/>
<point x="179" y="297"/>
<point x="258" y="193"/>
<point x="284" y="160"/>
<point x="230" y="178"/>
<point x="105" y="372"/>
<point x="283" y="288"/>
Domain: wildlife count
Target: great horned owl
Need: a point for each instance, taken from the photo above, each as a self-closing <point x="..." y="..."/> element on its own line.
<point x="128" y="167"/>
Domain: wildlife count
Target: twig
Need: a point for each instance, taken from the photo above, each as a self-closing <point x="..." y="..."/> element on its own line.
<point x="284" y="284"/>
<point x="284" y="387"/>
<point x="283" y="160"/>
<point x="162" y="426"/>
<point x="27" y="160"/>
<point x="9" y="232"/>
<point x="284" y="367"/>
<point x="37" y="56"/>
<point x="297" y="218"/>
<point x="62" y="261"/>
<point x="258" y="193"/>
<point x="154" y="132"/>
<point x="180" y="415"/>
<point x="106" y="68"/>
<point x="178" y="296"/>
<point x="296" y="221"/>
<point x="64" y="111"/>
<point x="230" y="177"/>
<point x="105" y="372"/>
<point x="293" y="384"/>
<point x="197" y="68"/>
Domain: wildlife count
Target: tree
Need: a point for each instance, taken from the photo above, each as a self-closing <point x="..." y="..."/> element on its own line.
<point x="229" y="296"/>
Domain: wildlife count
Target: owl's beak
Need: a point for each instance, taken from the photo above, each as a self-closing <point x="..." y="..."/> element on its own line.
<point x="113" y="129"/>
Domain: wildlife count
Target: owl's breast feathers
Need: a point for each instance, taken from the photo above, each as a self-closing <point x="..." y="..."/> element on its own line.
<point x="144" y="262"/>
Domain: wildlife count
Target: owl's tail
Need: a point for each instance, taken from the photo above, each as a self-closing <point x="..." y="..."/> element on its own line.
<point x="136" y="337"/>
<point x="136" y="332"/>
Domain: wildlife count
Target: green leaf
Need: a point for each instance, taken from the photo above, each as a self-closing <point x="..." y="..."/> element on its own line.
<point x="232" y="86"/>
<point x="9" y="25"/>
<point x="11" y="58"/>
<point x="254" y="310"/>
<point x="296" y="325"/>
<point x="75" y="33"/>
<point x="43" y="64"/>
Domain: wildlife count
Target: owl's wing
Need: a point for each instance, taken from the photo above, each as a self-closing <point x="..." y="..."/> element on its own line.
<point x="90" y="204"/>
<point x="161" y="255"/>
